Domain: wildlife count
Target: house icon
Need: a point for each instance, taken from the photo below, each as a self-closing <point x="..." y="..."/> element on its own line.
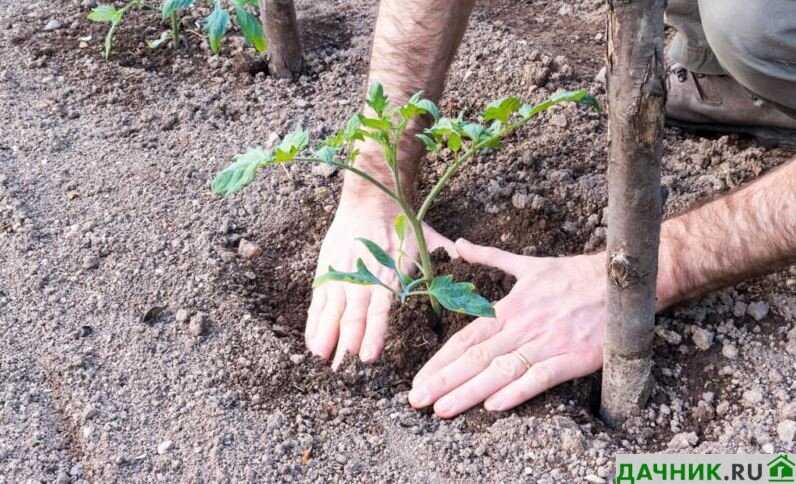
<point x="781" y="469"/>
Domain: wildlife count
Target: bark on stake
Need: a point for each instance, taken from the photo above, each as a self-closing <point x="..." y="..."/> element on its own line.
<point x="636" y="99"/>
<point x="284" y="42"/>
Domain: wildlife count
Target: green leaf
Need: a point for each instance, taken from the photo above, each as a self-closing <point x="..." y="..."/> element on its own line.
<point x="106" y="13"/>
<point x="377" y="99"/>
<point x="429" y="142"/>
<point x="580" y="96"/>
<point x="416" y="106"/>
<point x="460" y="297"/>
<point x="375" y="123"/>
<point x="429" y="107"/>
<point x="326" y="153"/>
<point x="242" y="171"/>
<point x="216" y="25"/>
<point x="291" y="145"/>
<point x="335" y="140"/>
<point x="352" y="131"/>
<point x="400" y="224"/>
<point x="362" y="276"/>
<point x="378" y="253"/>
<point x="454" y="142"/>
<point x="251" y="3"/>
<point x="502" y="109"/>
<point x="171" y="6"/>
<point x="252" y="28"/>
<point x="474" y="131"/>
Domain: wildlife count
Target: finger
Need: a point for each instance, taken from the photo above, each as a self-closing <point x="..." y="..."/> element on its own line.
<point x="376" y="327"/>
<point x="490" y="256"/>
<point x="314" y="313"/>
<point x="352" y="323"/>
<point x="474" y="333"/>
<point x="503" y="370"/>
<point x="437" y="240"/>
<point x="329" y="323"/>
<point x="472" y="362"/>
<point x="541" y="377"/>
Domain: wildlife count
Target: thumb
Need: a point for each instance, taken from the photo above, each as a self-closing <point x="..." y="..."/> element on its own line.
<point x="490" y="256"/>
<point x="437" y="240"/>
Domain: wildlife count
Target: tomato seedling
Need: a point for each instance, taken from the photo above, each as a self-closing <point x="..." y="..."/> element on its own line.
<point x="216" y="24"/>
<point x="454" y="138"/>
<point x="113" y="16"/>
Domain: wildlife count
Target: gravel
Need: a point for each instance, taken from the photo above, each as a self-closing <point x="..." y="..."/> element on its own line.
<point x="199" y="324"/>
<point x="758" y="310"/>
<point x="703" y="339"/>
<point x="52" y="24"/>
<point x="786" y="430"/>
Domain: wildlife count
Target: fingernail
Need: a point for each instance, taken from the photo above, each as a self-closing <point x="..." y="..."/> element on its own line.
<point x="494" y="405"/>
<point x="444" y="406"/>
<point x="418" y="397"/>
<point x="368" y="354"/>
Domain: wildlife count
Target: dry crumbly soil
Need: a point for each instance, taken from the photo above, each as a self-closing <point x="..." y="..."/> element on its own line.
<point x="110" y="238"/>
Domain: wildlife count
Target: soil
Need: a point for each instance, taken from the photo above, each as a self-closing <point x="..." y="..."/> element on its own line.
<point x="137" y="346"/>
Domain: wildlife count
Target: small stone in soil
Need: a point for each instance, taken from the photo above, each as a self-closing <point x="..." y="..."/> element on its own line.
<point x="788" y="411"/>
<point x="297" y="359"/>
<point x="520" y="200"/>
<point x="91" y="262"/>
<point x="182" y="315"/>
<point x="683" y="440"/>
<point x="248" y="249"/>
<point x="786" y="430"/>
<point x="324" y="170"/>
<point x="198" y="325"/>
<point x="752" y="397"/>
<point x="85" y="331"/>
<point x="758" y="310"/>
<point x="164" y="446"/>
<point x="559" y="120"/>
<point x="703" y="339"/>
<point x="730" y="351"/>
<point x="53" y="24"/>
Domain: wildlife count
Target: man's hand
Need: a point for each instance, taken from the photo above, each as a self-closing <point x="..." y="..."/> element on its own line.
<point x="349" y="317"/>
<point x="552" y="319"/>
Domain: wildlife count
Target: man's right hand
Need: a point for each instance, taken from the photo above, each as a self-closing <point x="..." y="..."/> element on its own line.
<point x="350" y="317"/>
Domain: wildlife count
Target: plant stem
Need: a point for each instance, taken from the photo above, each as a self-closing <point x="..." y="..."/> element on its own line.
<point x="356" y="171"/>
<point x="175" y="29"/>
<point x="444" y="180"/>
<point x="426" y="267"/>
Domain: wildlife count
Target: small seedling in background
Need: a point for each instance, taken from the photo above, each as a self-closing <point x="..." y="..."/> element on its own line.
<point x="216" y="24"/>
<point x="248" y="22"/>
<point x="454" y="138"/>
<point x="113" y="16"/>
<point x="171" y="12"/>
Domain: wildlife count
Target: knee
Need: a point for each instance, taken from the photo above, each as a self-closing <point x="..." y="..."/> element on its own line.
<point x="746" y="37"/>
<point x="755" y="43"/>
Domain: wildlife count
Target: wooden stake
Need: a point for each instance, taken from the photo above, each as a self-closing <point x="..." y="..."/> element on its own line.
<point x="284" y="43"/>
<point x="636" y="99"/>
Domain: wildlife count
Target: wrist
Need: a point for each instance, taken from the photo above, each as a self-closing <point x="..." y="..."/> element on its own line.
<point x="371" y="160"/>
<point x="670" y="289"/>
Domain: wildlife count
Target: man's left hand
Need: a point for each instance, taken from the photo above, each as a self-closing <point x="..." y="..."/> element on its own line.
<point x="548" y="330"/>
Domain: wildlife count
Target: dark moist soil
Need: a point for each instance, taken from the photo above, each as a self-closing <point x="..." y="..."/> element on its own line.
<point x="415" y="334"/>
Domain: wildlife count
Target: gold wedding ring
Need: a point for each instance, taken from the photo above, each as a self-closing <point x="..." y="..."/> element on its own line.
<point x="523" y="359"/>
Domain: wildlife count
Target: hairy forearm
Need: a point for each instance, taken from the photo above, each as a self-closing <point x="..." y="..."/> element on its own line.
<point x="413" y="46"/>
<point x="747" y="233"/>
